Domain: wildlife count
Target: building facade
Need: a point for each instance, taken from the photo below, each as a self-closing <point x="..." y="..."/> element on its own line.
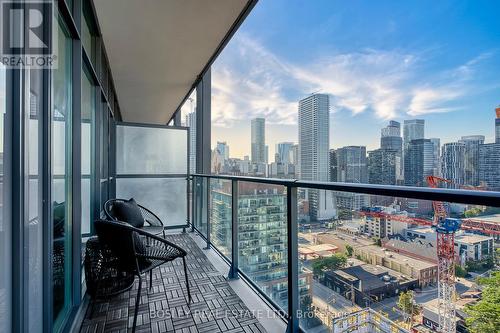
<point x="472" y="143"/>
<point x="489" y="165"/>
<point x="352" y="164"/>
<point x="262" y="236"/>
<point x="420" y="162"/>
<point x="453" y="163"/>
<point x="314" y="138"/>
<point x="383" y="166"/>
<point x="258" y="137"/>
<point x="390" y="139"/>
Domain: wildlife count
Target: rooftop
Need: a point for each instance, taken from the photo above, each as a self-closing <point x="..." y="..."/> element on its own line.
<point x="400" y="258"/>
<point x="471" y="238"/>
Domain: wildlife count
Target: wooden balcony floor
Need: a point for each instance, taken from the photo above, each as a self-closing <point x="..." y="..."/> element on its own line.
<point x="215" y="306"/>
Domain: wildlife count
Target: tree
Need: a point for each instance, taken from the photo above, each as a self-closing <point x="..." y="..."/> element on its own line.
<point x="329" y="263"/>
<point x="460" y="271"/>
<point x="406" y="303"/>
<point x="484" y="316"/>
<point x="377" y="241"/>
<point x="349" y="250"/>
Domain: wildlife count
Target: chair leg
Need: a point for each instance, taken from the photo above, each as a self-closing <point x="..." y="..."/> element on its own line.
<point x="137" y="302"/>
<point x="187" y="281"/>
<point x="150" y="280"/>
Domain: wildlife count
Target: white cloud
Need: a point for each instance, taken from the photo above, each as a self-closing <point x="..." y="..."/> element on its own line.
<point x="250" y="81"/>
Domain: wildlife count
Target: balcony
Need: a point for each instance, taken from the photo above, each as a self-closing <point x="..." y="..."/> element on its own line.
<point x="106" y="123"/>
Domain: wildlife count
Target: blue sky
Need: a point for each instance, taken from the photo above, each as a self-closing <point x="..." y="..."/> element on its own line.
<point x="378" y="60"/>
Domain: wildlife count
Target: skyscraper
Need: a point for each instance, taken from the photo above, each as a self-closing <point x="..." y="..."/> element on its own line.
<point x="352" y="164"/>
<point x="391" y="140"/>
<point x="383" y="166"/>
<point x="284" y="152"/>
<point x="352" y="167"/>
<point x="390" y="137"/>
<point x="472" y="143"/>
<point x="413" y="129"/>
<point x="258" y="140"/>
<point x="333" y="165"/>
<point x="497" y="125"/>
<point x="223" y="149"/>
<point x="453" y="163"/>
<point x="314" y="137"/>
<point x="489" y="165"/>
<point x="314" y="112"/>
<point x="419" y="161"/>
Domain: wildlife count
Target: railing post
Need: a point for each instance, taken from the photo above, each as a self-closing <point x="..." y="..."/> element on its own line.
<point x="193" y="202"/>
<point x="293" y="260"/>
<point x="233" y="270"/>
<point x="208" y="214"/>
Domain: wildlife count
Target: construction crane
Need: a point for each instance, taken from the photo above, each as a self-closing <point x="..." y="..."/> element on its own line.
<point x="445" y="229"/>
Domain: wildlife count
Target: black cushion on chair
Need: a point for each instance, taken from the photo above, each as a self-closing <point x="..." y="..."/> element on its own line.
<point x="128" y="211"/>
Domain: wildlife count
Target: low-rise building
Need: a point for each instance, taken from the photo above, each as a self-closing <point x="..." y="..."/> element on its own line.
<point x="366" y="283"/>
<point x="425" y="272"/>
<point x="468" y="246"/>
<point x="430" y="314"/>
<point x="473" y="247"/>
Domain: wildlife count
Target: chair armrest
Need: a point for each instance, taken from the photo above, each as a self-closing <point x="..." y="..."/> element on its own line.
<point x="157" y="241"/>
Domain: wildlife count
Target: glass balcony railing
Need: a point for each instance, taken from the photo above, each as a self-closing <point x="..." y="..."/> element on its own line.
<point x="327" y="255"/>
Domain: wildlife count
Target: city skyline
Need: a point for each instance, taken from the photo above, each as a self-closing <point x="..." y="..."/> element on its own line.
<point x="393" y="67"/>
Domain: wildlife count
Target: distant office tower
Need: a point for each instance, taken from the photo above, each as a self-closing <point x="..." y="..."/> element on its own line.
<point x="352" y="167"/>
<point x="391" y="136"/>
<point x="413" y="129"/>
<point x="497" y="125"/>
<point x="436" y="156"/>
<point x="352" y="164"/>
<point x="258" y="140"/>
<point x="191" y="123"/>
<point x="489" y="165"/>
<point x="453" y="163"/>
<point x="295" y="155"/>
<point x="333" y="165"/>
<point x="472" y="143"/>
<point x="314" y="113"/>
<point x="383" y="166"/>
<point x="391" y="139"/>
<point x="420" y="162"/>
<point x="223" y="150"/>
<point x="284" y="152"/>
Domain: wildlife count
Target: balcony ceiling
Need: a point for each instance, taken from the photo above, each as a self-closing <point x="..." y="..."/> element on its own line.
<point x="157" y="49"/>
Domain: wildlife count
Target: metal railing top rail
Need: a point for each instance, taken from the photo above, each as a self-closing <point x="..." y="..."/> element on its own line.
<point x="486" y="198"/>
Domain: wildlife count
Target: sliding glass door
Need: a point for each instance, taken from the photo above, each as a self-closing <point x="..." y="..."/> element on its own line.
<point x="61" y="118"/>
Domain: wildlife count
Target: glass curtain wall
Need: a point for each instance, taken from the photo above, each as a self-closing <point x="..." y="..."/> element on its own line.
<point x="61" y="177"/>
<point x="5" y="219"/>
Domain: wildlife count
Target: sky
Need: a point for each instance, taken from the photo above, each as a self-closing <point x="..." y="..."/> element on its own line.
<point x="378" y="61"/>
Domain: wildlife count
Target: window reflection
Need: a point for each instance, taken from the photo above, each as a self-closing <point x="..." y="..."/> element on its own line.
<point x="61" y="172"/>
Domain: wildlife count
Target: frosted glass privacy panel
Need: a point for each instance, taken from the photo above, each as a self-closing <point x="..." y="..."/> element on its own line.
<point x="166" y="197"/>
<point x="150" y="150"/>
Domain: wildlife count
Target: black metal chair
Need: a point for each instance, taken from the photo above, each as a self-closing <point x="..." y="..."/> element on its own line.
<point x="137" y="255"/>
<point x="154" y="225"/>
